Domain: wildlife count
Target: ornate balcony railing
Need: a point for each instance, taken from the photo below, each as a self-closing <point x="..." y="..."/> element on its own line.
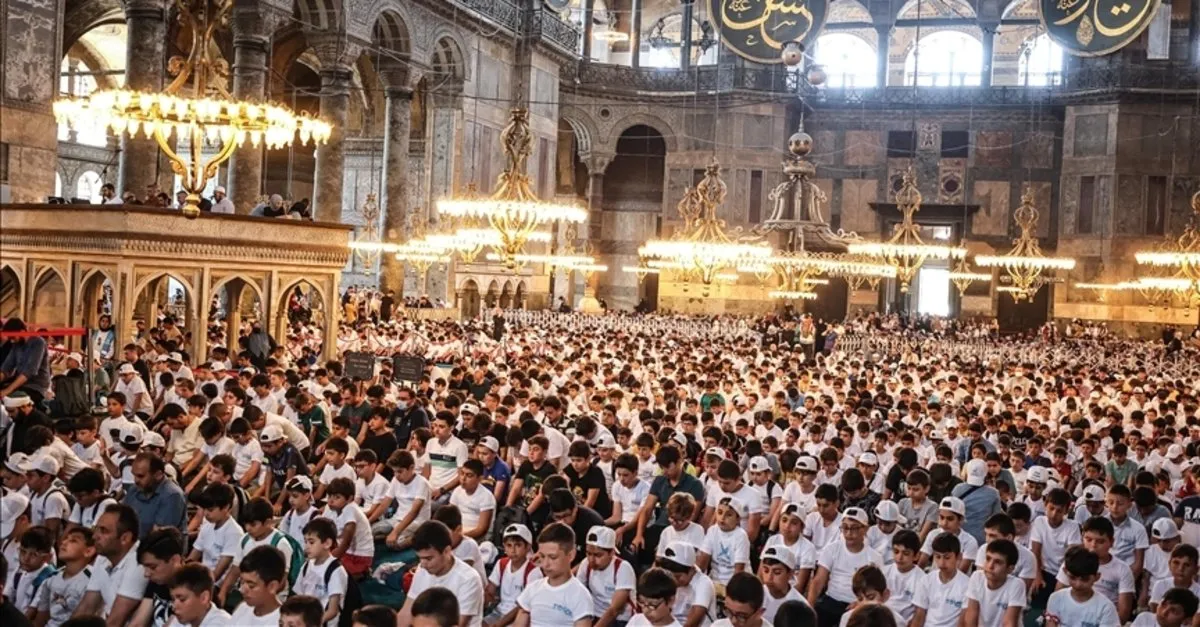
<point x="544" y="24"/>
<point x="556" y="31"/>
<point x="608" y="77"/>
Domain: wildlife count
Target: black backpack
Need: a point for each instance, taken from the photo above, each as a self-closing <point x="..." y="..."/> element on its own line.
<point x="70" y="395"/>
<point x="505" y="517"/>
<point x="351" y="601"/>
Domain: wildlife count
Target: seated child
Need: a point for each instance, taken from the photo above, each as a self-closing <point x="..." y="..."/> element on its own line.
<point x="192" y="598"/>
<point x="1079" y="604"/>
<point x="995" y="597"/>
<point x="1176" y="609"/>
<point x="322" y="575"/>
<point x="656" y="597"/>
<point x="263" y="577"/>
<point x="870" y="588"/>
<point x="356" y="546"/>
<point x="510" y="576"/>
<point x="62" y="592"/>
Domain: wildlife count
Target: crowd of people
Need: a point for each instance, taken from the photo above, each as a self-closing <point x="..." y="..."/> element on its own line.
<point x="273" y="206"/>
<point x="628" y="470"/>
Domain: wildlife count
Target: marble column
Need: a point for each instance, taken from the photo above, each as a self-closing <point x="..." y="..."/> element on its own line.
<point x="989" y="49"/>
<point x="685" y="37"/>
<point x="589" y="7"/>
<point x="635" y="38"/>
<point x="884" y="39"/>
<point x="446" y="113"/>
<point x="251" y="45"/>
<point x="395" y="195"/>
<point x="138" y="164"/>
<point x="329" y="178"/>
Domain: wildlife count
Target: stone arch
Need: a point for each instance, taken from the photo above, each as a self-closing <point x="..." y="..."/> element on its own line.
<point x="314" y="287"/>
<point x="937" y="9"/>
<point x="12" y="292"/>
<point x="468" y="299"/>
<point x="847" y="11"/>
<point x="519" y="295"/>
<point x="583" y="126"/>
<point x="645" y="119"/>
<point x="145" y="305"/>
<point x="447" y="57"/>
<point x="506" y="295"/>
<point x="88" y="296"/>
<point x="48" y="299"/>
<point x="390" y="31"/>
<point x="493" y="294"/>
<point x="320" y="15"/>
<point x="81" y="16"/>
<point x="1020" y="9"/>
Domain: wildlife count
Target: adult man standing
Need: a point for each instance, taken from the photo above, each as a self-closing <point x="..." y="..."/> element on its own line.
<point x="221" y="202"/>
<point x="27" y="365"/>
<point x="407" y="416"/>
<point x="981" y="501"/>
<point x="260" y="345"/>
<point x="108" y="195"/>
<point x="386" y="304"/>
<point x="118" y="581"/>
<point x="157" y="502"/>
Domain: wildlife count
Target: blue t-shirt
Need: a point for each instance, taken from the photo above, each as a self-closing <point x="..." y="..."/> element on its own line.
<point x="497" y="473"/>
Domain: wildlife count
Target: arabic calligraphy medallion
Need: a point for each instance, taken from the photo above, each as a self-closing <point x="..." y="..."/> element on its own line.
<point x="758" y="29"/>
<point x="1090" y="28"/>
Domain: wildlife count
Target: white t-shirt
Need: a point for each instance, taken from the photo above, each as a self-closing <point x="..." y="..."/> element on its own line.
<point x="943" y="602"/>
<point x="896" y="615"/>
<point x="693" y="534"/>
<point x="805" y="552"/>
<point x="640" y="620"/>
<point x="246" y="454"/>
<point x="556" y="606"/>
<point x="1026" y="567"/>
<point x="969" y="545"/>
<point x="746" y="494"/>
<point x="293" y="523"/>
<point x="311" y="581"/>
<point x="463" y="581"/>
<point x="1115" y="579"/>
<point x="86" y="517"/>
<point x="244" y="616"/>
<point x="793" y="493"/>
<point x="604" y="584"/>
<point x="215" y="617"/>
<point x="903" y="587"/>
<point x="511" y="583"/>
<point x="727" y="549"/>
<point x="631" y="499"/>
<point x="372" y="493"/>
<point x="131" y="390"/>
<point x="216" y="542"/>
<point x="842" y="564"/>
<point x="468" y="551"/>
<point x="1054" y="541"/>
<point x="50" y="505"/>
<point x="699" y="591"/>
<point x="329" y="473"/>
<point x="445" y="460"/>
<point x="363" y="544"/>
<point x="223" y="446"/>
<point x="1097" y="611"/>
<point x="1130" y="536"/>
<point x="472" y="506"/>
<point x="993" y="604"/>
<point x="1159" y="589"/>
<point x="60" y="595"/>
<point x="819" y="533"/>
<point x="127" y="579"/>
<point x="406" y="495"/>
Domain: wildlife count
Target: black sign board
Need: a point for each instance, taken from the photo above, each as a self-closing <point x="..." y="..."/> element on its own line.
<point x="1090" y="28"/>
<point x="758" y="29"/>
<point x="359" y="365"/>
<point x="408" y="368"/>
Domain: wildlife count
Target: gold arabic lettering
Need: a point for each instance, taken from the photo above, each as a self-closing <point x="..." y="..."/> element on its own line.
<point x="770" y="20"/>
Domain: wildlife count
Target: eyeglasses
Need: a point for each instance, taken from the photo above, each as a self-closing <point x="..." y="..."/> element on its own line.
<point x="649" y="605"/>
<point x="739" y="617"/>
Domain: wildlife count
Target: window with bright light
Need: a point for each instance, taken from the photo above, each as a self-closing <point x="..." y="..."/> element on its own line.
<point x="947" y="59"/>
<point x="1041" y="62"/>
<point x="933" y="291"/>
<point x="58" y="190"/>
<point x="848" y="60"/>
<point x="88" y="186"/>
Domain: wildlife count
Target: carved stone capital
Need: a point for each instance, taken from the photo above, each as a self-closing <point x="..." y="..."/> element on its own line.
<point x="149" y="9"/>
<point x="596" y="162"/>
<point x="334" y="50"/>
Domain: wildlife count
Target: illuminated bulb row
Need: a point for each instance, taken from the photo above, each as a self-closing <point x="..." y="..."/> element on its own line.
<point x="539" y="212"/>
<point x="1007" y="261"/>
<point x="884" y="249"/>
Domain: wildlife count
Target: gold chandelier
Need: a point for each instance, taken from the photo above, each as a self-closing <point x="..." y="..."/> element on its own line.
<point x="513" y="210"/>
<point x="701" y="249"/>
<point x="208" y="114"/>
<point x="1182" y="256"/>
<point x="906" y="251"/>
<point x="962" y="276"/>
<point x="1025" y="263"/>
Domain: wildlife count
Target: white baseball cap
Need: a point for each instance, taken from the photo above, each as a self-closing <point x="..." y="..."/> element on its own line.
<point x="856" y="514"/>
<point x="680" y="438"/>
<point x="794" y="509"/>
<point x="77" y="357"/>
<point x="1174" y="451"/>
<point x="806" y="464"/>
<point x="44" y="464"/>
<point x="126" y="368"/>
<point x="271" y="433"/>
<point x="937" y="434"/>
<point x="1093" y="493"/>
<point x="681" y="553"/>
<point x="738" y="506"/>
<point x="469" y="408"/>
<point x="11" y="507"/>
<point x="781" y="554"/>
<point x="1164" y="529"/>
<point x="18" y="463"/>
<point x="155" y="439"/>
<point x="520" y="531"/>
<point x="602" y="538"/>
<point x="176" y="357"/>
<point x="953" y="504"/>
<point x="301" y="483"/>
<point x="131" y="433"/>
<point x="490" y="443"/>
<point x="759" y="464"/>
<point x="869" y="459"/>
<point x="1038" y="474"/>
<point x="976" y="472"/>
<point x="888" y="511"/>
<point x="717" y="451"/>
<point x="606" y="441"/>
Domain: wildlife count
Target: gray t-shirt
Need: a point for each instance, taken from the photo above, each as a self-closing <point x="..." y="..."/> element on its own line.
<point x="916" y="517"/>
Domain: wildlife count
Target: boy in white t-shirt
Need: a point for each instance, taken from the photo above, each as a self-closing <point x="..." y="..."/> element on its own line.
<point x="511" y="575"/>
<point x="695" y="595"/>
<point x="942" y="592"/>
<point x="656" y="596"/>
<point x="791" y="536"/>
<point x="726" y="547"/>
<point x="355" y="547"/>
<point x="1080" y="604"/>
<point x="558" y="598"/>
<point x="951" y="513"/>
<point x="248" y="456"/>
<point x="263" y="577"/>
<point x="411" y="493"/>
<point x="831" y="590"/>
<point x="609" y="579"/>
<point x="302" y="510"/>
<point x="902" y="574"/>
<point x="887" y="521"/>
<point x="322" y="575"/>
<point x="336" y="451"/>
<point x="373" y="490"/>
<point x="760" y="479"/>
<point x="995" y="597"/>
<point x="1176" y="609"/>
<point x="870" y="588"/>
<point x="681" y="511"/>
<point x="220" y="535"/>
<point x="775" y="568"/>
<point x="628" y="493"/>
<point x="89" y="487"/>
<point x="476" y="503"/>
<point x="439" y="568"/>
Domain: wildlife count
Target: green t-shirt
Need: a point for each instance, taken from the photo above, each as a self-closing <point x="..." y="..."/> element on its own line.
<point x="315" y="417"/>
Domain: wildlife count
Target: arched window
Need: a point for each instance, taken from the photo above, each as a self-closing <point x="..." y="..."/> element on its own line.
<point x="947" y="58"/>
<point x="58" y="190"/>
<point x="1041" y="62"/>
<point x="76" y="80"/>
<point x="848" y="60"/>
<point x="88" y="186"/>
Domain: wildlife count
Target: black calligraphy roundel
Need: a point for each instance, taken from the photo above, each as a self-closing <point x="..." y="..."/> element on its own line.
<point x="758" y="29"/>
<point x="1090" y="28"/>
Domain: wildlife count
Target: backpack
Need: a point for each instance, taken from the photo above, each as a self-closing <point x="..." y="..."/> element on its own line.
<point x="298" y="561"/>
<point x="70" y="395"/>
<point x="529" y="567"/>
<point x="351" y="601"/>
<point x="505" y="517"/>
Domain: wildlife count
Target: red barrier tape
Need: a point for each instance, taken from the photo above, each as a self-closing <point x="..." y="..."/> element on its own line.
<point x="69" y="332"/>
